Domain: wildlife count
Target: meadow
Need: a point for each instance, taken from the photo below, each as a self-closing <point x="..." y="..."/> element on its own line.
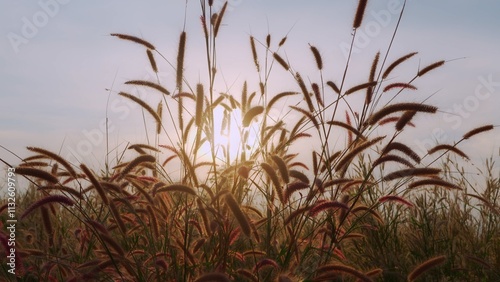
<point x="248" y="185"/>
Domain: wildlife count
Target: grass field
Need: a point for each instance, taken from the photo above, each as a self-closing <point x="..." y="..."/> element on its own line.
<point x="255" y="186"/>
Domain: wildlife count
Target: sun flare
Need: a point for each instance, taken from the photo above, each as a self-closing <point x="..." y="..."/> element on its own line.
<point x="231" y="139"/>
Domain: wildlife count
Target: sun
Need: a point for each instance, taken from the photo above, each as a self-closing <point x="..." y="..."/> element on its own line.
<point x="231" y="139"/>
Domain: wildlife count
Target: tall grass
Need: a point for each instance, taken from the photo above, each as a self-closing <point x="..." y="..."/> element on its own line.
<point x="288" y="202"/>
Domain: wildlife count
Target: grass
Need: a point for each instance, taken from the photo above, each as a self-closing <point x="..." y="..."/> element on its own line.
<point x="286" y="202"/>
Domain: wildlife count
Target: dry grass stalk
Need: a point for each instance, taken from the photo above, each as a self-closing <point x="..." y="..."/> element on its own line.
<point x="343" y="213"/>
<point x="97" y="226"/>
<point x="47" y="224"/>
<point x="299" y="175"/>
<point x="47" y="200"/>
<point x="143" y="146"/>
<point x="198" y="244"/>
<point x="282" y="168"/>
<point x="238" y="214"/>
<point x="109" y="241"/>
<point x="95" y="183"/>
<point x="356" y="182"/>
<point x="389" y="109"/>
<point x="181" y="95"/>
<point x="34" y="157"/>
<point x="317" y="57"/>
<point x="150" y="85"/>
<point x="348" y="127"/>
<point x="189" y="166"/>
<point x="35" y="172"/>
<point x="180" y="60"/>
<point x="333" y="86"/>
<point x="479" y="261"/>
<point x="332" y="268"/>
<point x="204" y="217"/>
<point x="477" y="130"/>
<point x="396" y="63"/>
<point x="274" y="179"/>
<point x="112" y="186"/>
<point x="402" y="148"/>
<point x="309" y="115"/>
<point x="393" y="119"/>
<point x="244" y="171"/>
<point x="337" y="181"/>
<point x="134" y="39"/>
<point x="425" y="266"/>
<point x="326" y="205"/>
<point x="152" y="60"/>
<point x="176" y="188"/>
<point x="282" y="41"/>
<point x="213" y="277"/>
<point x="137" y="161"/>
<point x="327" y="164"/>
<point x="200" y="96"/>
<point x="486" y="202"/>
<point x="254" y="253"/>
<point x="360" y="12"/>
<point x="159" y="112"/>
<point x="142" y="104"/>
<point x="204" y="26"/>
<point x="344" y="161"/>
<point x="315" y="163"/>
<point x="448" y="148"/>
<point x="430" y="67"/>
<point x="405" y="119"/>
<point x="62" y="188"/>
<point x="262" y="88"/>
<point x="305" y="92"/>
<point x="392" y="158"/>
<point x="411" y="172"/>
<point x="281" y="61"/>
<point x="56" y="158"/>
<point x="219" y="19"/>
<point x="117" y="217"/>
<point x="244" y="98"/>
<point x="373" y="70"/>
<point x="434" y="182"/>
<point x="400" y="85"/>
<point x="293" y="187"/>
<point x="270" y="131"/>
<point x="187" y="130"/>
<point x="360" y="87"/>
<point x="373" y="273"/>
<point x="34" y="164"/>
<point x="254" y="53"/>
<point x="317" y="94"/>
<point x="265" y="262"/>
<point x="393" y="198"/>
<point x="251" y="114"/>
<point x="247" y="274"/>
<point x="153" y="221"/>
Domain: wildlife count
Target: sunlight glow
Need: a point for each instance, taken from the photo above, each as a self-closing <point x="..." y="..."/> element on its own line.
<point x="230" y="138"/>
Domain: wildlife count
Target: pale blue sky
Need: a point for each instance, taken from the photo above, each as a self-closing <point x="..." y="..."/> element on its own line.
<point x="53" y="80"/>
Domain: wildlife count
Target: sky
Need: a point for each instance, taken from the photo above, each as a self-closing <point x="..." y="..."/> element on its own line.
<point x="57" y="62"/>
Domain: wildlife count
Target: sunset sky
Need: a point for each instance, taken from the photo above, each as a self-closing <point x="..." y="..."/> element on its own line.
<point x="57" y="60"/>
